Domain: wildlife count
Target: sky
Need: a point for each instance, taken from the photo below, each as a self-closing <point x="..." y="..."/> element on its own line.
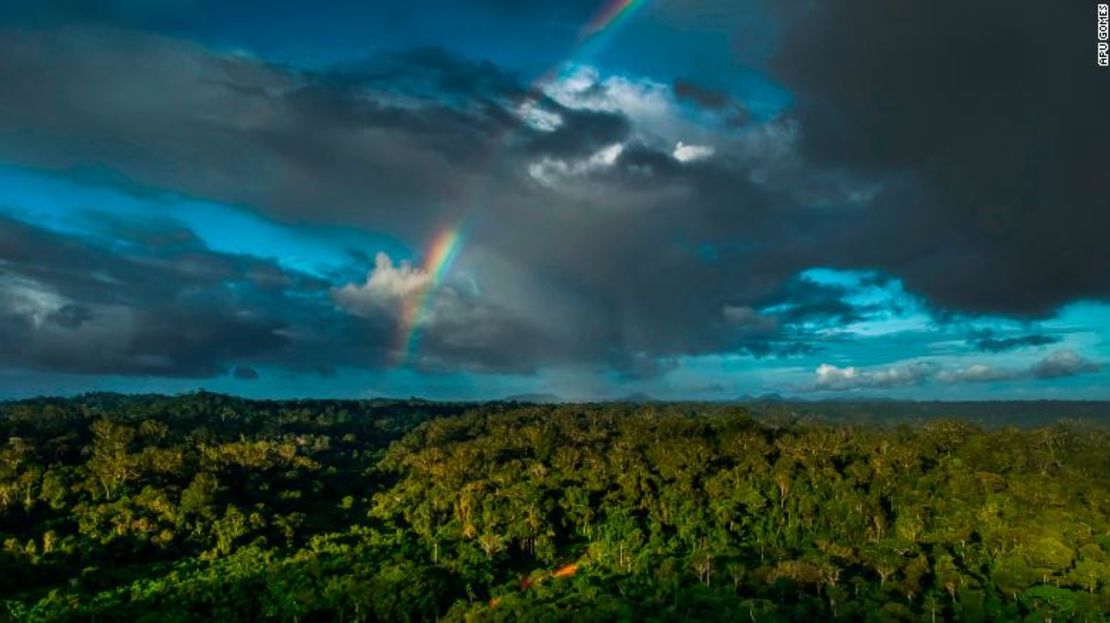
<point x="479" y="199"/>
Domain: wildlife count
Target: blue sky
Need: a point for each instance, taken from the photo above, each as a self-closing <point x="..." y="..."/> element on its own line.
<point x="245" y="199"/>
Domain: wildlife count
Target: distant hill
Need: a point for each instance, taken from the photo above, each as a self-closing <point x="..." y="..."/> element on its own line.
<point x="637" y="398"/>
<point x="534" y="398"/>
<point x="989" y="414"/>
<point x="771" y="397"/>
<point x="877" y="411"/>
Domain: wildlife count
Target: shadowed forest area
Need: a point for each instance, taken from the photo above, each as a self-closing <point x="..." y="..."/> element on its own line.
<point x="205" y="506"/>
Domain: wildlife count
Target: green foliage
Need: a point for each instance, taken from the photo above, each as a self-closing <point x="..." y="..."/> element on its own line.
<point x="205" y="507"/>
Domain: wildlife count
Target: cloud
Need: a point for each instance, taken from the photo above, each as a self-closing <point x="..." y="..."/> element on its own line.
<point x="1063" y="363"/>
<point x="749" y="319"/>
<point x="593" y="213"/>
<point x="986" y="342"/>
<point x="245" y="373"/>
<point x="979" y="373"/>
<point x="352" y="142"/>
<point x="721" y="103"/>
<point x="832" y="378"/>
<point x="386" y="287"/>
<point x="145" y="306"/>
<point x="805" y="301"/>
<point x="555" y="172"/>
<point x="674" y="118"/>
<point x="457" y="329"/>
<point x="1058" y="364"/>
<point x="689" y="153"/>
<point x="705" y="97"/>
<point x="986" y="151"/>
<point x="591" y="199"/>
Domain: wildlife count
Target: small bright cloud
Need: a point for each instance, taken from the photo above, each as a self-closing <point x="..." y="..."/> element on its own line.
<point x="538" y="118"/>
<point x="689" y="153"/>
<point x="385" y="285"/>
<point x="1063" y="363"/>
<point x="550" y="171"/>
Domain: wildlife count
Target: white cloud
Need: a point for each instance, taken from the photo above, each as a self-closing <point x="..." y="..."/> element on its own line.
<point x="538" y="118"/>
<point x="582" y="87"/>
<point x="23" y="297"/>
<point x="606" y="156"/>
<point x="551" y="171"/>
<point x="658" y="119"/>
<point x="978" y="373"/>
<point x="385" y="286"/>
<point x="689" y="153"/>
<point x="833" y="378"/>
<point x="1058" y="364"/>
<point x="459" y="325"/>
<point x="663" y="122"/>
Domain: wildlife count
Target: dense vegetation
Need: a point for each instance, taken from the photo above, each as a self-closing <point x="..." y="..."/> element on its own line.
<point x="208" y="507"/>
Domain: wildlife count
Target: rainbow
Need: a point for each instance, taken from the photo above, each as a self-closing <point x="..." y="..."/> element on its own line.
<point x="605" y="20"/>
<point x="446" y="244"/>
<point x="610" y="15"/>
<point x="441" y="254"/>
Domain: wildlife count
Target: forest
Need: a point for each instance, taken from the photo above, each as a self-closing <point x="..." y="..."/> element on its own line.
<point x="210" y="507"/>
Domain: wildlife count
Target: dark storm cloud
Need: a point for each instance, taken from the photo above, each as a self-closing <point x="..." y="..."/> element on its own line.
<point x="446" y="72"/>
<point x="168" y="114"/>
<point x="245" y="373"/>
<point x="155" y="301"/>
<point x="395" y="142"/>
<point x="586" y="6"/>
<point x="807" y="301"/>
<point x="404" y="143"/>
<point x="70" y="316"/>
<point x="144" y="307"/>
<point x="987" y="342"/>
<point x="986" y="120"/>
<point x="733" y="111"/>
<point x="583" y="253"/>
<point x="705" y="97"/>
<point x="54" y="12"/>
<point x="582" y="132"/>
